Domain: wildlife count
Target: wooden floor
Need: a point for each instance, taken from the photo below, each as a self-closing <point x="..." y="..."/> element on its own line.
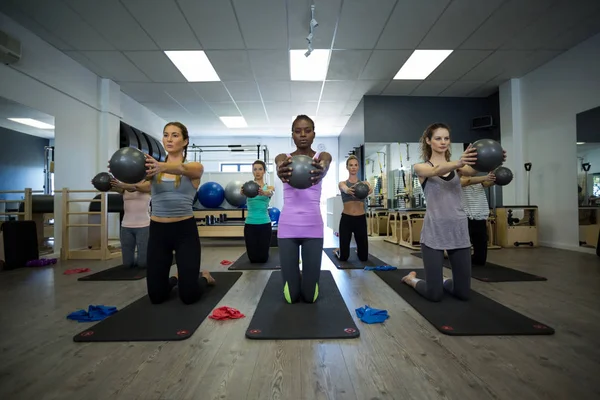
<point x="404" y="358"/>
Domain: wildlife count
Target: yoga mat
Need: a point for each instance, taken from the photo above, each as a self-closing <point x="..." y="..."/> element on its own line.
<point x="495" y="273"/>
<point x="171" y="320"/>
<point x="478" y="316"/>
<point x="243" y="263"/>
<point x="353" y="262"/>
<point x="118" y="273"/>
<point x="327" y="318"/>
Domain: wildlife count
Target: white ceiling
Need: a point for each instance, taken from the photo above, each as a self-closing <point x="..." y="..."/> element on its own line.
<point x="247" y="41"/>
<point x="10" y="109"/>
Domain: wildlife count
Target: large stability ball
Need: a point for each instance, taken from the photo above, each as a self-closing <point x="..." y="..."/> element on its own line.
<point x="489" y="155"/>
<point x="102" y="181"/>
<point x="232" y="194"/>
<point x="211" y="194"/>
<point x="503" y="176"/>
<point x="274" y="214"/>
<point x="301" y="177"/>
<point x="128" y="165"/>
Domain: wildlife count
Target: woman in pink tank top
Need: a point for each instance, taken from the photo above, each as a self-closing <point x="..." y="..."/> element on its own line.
<point x="300" y="223"/>
<point x="136" y="222"/>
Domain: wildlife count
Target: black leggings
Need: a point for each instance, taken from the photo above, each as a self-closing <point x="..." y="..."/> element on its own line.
<point x="432" y="288"/>
<point x="181" y="237"/>
<point x="479" y="239"/>
<point x="258" y="241"/>
<point x="356" y="224"/>
<point x="294" y="284"/>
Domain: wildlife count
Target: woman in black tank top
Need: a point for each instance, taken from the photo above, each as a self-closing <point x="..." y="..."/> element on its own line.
<point x="353" y="220"/>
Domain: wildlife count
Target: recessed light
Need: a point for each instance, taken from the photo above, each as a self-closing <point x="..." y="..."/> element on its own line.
<point x="580" y="142"/>
<point x="422" y="63"/>
<point x="194" y="65"/>
<point x="234" y="122"/>
<point x="311" y="68"/>
<point x="32" y="122"/>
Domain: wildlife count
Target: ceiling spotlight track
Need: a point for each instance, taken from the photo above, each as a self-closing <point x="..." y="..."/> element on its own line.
<point x="311" y="26"/>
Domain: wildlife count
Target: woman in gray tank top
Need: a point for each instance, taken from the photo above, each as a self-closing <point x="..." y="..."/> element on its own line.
<point x="445" y="226"/>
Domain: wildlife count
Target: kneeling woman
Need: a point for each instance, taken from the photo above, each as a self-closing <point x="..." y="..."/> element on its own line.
<point x="301" y="223"/>
<point x="173" y="227"/>
<point x="353" y="218"/>
<point x="257" y="229"/>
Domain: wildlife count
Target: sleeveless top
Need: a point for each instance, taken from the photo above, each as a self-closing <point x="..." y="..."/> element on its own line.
<point x="301" y="212"/>
<point x="475" y="202"/>
<point x="346" y="197"/>
<point x="445" y="226"/>
<point x="171" y="201"/>
<point x="136" y="210"/>
<point x="258" y="209"/>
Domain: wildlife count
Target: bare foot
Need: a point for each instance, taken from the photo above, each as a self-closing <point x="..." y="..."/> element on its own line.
<point x="408" y="279"/>
<point x="209" y="278"/>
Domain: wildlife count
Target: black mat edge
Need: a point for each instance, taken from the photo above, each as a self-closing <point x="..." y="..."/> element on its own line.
<point x="256" y="267"/>
<point x="87" y="278"/>
<point x="545" y="330"/>
<point x="185" y="335"/>
<point x="338" y="264"/>
<point x="352" y="332"/>
<point x="534" y="277"/>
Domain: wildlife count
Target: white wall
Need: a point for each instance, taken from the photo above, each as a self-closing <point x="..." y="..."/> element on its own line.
<point x="549" y="98"/>
<point x="277" y="145"/>
<point x="140" y="117"/>
<point x="86" y="109"/>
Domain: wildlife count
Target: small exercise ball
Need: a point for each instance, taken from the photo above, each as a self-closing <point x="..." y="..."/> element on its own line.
<point x="250" y="189"/>
<point x="503" y="176"/>
<point x="233" y="195"/>
<point x="211" y="194"/>
<point x="128" y="165"/>
<point x="489" y="155"/>
<point x="361" y="190"/>
<point x="274" y="214"/>
<point x="102" y="181"/>
<point x="301" y="177"/>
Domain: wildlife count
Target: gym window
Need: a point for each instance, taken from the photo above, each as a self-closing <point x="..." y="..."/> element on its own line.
<point x="241" y="167"/>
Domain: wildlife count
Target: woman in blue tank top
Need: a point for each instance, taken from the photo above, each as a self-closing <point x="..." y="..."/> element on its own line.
<point x="172" y="224"/>
<point x="257" y="228"/>
<point x="445" y="226"/>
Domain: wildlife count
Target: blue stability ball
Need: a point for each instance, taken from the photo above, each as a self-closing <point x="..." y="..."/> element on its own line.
<point x="211" y="194"/>
<point x="274" y="214"/>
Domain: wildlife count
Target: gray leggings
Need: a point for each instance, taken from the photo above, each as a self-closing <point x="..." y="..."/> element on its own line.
<point x="130" y="239"/>
<point x="294" y="284"/>
<point x="432" y="288"/>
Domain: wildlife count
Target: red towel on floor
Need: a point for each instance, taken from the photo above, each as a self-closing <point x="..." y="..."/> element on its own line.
<point x="226" y="313"/>
<point x="76" y="271"/>
<point x="226" y="262"/>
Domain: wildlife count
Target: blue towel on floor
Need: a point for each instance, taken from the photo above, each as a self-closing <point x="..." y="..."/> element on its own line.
<point x="94" y="313"/>
<point x="381" y="268"/>
<point x="371" y="315"/>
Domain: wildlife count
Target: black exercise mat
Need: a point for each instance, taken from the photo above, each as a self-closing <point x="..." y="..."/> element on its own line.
<point x="171" y="320"/>
<point x="495" y="273"/>
<point x="118" y="273"/>
<point x="243" y="263"/>
<point x="478" y="316"/>
<point x="327" y="318"/>
<point x="353" y="262"/>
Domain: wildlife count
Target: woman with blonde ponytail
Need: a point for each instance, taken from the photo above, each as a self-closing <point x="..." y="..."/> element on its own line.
<point x="174" y="184"/>
<point x="445" y="226"/>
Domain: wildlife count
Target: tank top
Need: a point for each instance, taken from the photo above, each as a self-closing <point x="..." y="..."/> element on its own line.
<point x="445" y="226"/>
<point x="258" y="209"/>
<point x="136" y="209"/>
<point x="301" y="213"/>
<point x="171" y="201"/>
<point x="346" y="197"/>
